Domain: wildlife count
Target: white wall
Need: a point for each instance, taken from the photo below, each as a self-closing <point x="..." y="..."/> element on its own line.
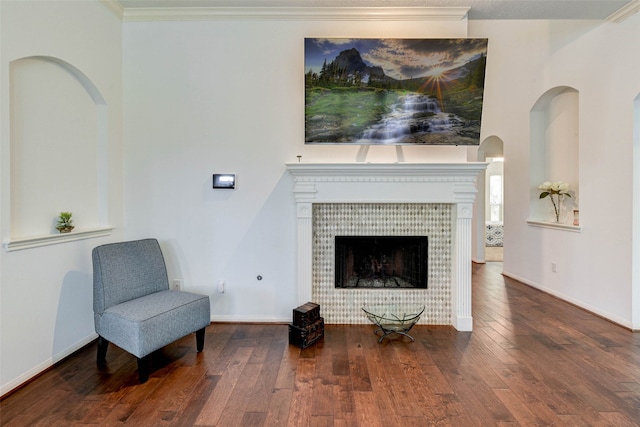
<point x="526" y="59"/>
<point x="206" y="97"/>
<point x="45" y="293"/>
<point x="227" y="97"/>
<point x="635" y="254"/>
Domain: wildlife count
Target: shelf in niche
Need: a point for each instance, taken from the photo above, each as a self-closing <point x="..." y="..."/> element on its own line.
<point x="549" y="224"/>
<point x="54" y="239"/>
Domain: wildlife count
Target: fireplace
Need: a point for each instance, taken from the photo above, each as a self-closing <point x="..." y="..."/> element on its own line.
<point x="384" y="199"/>
<point x="394" y="220"/>
<point x="378" y="262"/>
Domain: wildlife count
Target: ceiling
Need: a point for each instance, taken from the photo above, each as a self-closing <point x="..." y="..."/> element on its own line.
<point x="479" y="9"/>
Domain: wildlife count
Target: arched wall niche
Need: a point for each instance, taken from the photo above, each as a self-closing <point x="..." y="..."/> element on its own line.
<point x="492" y="146"/>
<point x="554" y="148"/>
<point x="58" y="147"/>
<point x="635" y="273"/>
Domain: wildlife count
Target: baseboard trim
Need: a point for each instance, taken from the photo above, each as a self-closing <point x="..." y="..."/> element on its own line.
<point x="230" y="318"/>
<point x="462" y="324"/>
<point x="35" y="372"/>
<point x="580" y="304"/>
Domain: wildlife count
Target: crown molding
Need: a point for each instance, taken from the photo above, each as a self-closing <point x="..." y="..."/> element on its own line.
<point x="115" y="7"/>
<point x="624" y="12"/>
<point x="296" y="13"/>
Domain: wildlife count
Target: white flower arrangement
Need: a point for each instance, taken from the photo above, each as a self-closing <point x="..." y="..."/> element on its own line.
<point x="557" y="189"/>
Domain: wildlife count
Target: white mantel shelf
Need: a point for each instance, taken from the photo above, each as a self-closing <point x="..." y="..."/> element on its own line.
<point x="443" y="170"/>
<point x="422" y="182"/>
<point x="453" y="183"/>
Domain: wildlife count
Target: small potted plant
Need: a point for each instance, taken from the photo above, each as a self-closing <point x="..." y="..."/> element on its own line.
<point x="65" y="222"/>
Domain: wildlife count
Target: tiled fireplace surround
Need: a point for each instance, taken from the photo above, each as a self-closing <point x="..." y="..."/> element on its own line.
<point x="432" y="199"/>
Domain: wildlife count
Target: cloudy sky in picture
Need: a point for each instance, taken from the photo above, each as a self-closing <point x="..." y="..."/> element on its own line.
<point x="399" y="58"/>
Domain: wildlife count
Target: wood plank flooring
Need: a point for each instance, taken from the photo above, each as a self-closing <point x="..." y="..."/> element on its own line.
<point x="531" y="360"/>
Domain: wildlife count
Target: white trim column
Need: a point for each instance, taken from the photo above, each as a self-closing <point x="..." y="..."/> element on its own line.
<point x="461" y="316"/>
<point x="305" y="252"/>
<point x="304" y="194"/>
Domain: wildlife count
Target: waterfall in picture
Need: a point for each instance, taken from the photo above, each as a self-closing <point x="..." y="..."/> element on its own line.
<point x="414" y="114"/>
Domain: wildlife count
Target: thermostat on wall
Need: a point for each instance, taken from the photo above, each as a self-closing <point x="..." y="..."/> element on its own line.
<point x="224" y="180"/>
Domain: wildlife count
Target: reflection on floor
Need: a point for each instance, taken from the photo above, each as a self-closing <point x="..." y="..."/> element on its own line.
<point x="493" y="253"/>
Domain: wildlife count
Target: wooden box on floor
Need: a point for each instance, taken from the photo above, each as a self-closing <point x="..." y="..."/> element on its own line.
<point x="304" y="337"/>
<point x="306" y="314"/>
<point x="307" y="326"/>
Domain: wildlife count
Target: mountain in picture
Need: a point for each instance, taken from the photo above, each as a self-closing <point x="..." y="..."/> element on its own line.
<point x="397" y="91"/>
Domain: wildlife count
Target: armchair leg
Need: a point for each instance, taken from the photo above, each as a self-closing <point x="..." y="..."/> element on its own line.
<point x="102" y="350"/>
<point x="144" y="367"/>
<point x="200" y="339"/>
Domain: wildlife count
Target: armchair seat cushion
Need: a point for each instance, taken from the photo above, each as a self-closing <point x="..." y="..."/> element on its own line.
<point x="145" y="324"/>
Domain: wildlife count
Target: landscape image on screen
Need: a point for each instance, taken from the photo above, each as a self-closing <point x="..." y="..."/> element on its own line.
<point x="394" y="91"/>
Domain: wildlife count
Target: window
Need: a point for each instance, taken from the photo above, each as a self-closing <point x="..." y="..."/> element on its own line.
<point x="495" y="198"/>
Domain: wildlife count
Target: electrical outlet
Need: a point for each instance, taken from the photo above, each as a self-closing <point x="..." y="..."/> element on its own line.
<point x="221" y="285"/>
<point x="177" y="284"/>
<point x="553" y="267"/>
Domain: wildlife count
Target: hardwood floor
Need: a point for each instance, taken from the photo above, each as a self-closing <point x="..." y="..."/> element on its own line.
<point x="531" y="360"/>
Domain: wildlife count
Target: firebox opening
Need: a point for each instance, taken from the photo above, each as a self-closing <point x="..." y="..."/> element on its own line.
<point x="397" y="262"/>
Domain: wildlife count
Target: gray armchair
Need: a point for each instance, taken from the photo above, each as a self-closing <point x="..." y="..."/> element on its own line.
<point x="133" y="306"/>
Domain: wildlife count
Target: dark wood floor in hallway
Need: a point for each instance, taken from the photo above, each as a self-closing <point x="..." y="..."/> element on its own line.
<point x="531" y="360"/>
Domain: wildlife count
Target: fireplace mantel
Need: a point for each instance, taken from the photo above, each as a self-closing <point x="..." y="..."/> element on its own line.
<point x="453" y="183"/>
<point x="446" y="182"/>
<point x="389" y="169"/>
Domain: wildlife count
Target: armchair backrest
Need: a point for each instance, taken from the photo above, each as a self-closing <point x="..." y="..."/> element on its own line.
<point x="125" y="271"/>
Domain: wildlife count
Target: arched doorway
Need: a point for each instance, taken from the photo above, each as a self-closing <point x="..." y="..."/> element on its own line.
<point x="490" y="201"/>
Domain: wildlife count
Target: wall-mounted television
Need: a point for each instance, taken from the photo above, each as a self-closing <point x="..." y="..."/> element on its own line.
<point x="394" y="91"/>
